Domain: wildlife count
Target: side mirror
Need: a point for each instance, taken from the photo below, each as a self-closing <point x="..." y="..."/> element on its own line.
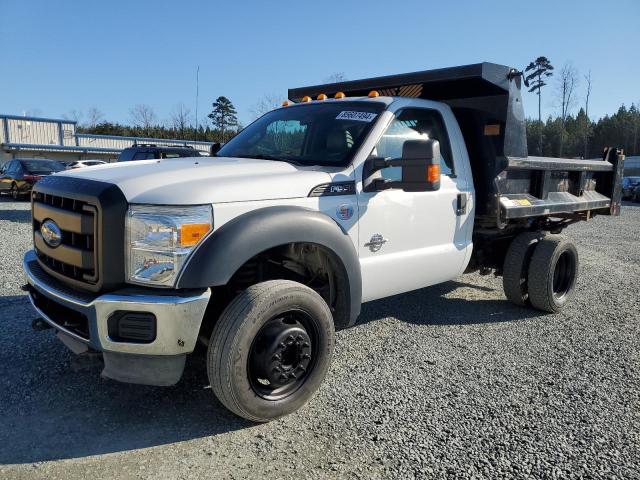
<point x="215" y="148"/>
<point x="420" y="163"/>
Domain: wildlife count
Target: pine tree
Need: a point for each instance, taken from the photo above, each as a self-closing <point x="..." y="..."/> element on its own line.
<point x="223" y="115"/>
<point x="540" y="68"/>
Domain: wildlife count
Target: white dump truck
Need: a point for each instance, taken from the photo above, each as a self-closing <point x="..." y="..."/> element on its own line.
<point x="350" y="192"/>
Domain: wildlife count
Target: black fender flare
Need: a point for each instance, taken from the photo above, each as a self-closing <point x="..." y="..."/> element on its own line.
<point x="223" y="252"/>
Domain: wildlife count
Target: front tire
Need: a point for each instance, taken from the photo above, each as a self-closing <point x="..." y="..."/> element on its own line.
<point x="270" y="350"/>
<point x="553" y="273"/>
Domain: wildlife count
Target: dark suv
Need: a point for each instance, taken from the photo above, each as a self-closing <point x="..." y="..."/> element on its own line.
<point x="151" y="151"/>
<point x="629" y="187"/>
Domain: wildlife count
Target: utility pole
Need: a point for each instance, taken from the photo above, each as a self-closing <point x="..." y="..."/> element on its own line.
<point x="586" y="112"/>
<point x="197" y="92"/>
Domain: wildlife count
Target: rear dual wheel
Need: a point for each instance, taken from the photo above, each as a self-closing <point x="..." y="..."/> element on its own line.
<point x="541" y="271"/>
<point x="270" y="350"/>
<point x="515" y="271"/>
<point x="553" y="273"/>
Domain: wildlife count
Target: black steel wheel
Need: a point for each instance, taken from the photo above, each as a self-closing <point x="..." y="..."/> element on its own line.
<point x="270" y="350"/>
<point x="553" y="273"/>
<point x="282" y="355"/>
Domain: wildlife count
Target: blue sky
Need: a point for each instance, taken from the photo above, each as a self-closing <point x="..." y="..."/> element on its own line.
<point x="60" y="55"/>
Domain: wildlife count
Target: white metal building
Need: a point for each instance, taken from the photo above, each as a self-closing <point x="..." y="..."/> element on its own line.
<point x="35" y="137"/>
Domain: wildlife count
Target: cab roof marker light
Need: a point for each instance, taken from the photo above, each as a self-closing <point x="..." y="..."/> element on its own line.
<point x="285" y="103"/>
<point x="306" y="98"/>
<point x="339" y="95"/>
<point x="374" y="93"/>
<point x="322" y="96"/>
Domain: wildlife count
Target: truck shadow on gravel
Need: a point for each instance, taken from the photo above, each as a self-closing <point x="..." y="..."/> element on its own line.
<point x="431" y="306"/>
<point x="48" y="411"/>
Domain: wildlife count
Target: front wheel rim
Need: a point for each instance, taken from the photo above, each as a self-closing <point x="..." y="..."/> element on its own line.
<point x="283" y="355"/>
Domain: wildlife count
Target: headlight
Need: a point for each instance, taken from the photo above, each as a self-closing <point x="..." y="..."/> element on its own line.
<point x="159" y="240"/>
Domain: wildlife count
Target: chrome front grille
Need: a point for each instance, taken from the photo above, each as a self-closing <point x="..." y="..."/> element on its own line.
<point x="76" y="256"/>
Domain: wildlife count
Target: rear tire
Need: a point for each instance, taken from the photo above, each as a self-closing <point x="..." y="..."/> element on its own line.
<point x="553" y="273"/>
<point x="270" y="350"/>
<point x="515" y="270"/>
<point x="15" y="194"/>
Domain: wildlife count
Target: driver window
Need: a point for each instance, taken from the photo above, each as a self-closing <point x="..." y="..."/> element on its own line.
<point x="412" y="124"/>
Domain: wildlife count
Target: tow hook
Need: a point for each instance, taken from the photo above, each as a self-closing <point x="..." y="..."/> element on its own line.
<point x="38" y="324"/>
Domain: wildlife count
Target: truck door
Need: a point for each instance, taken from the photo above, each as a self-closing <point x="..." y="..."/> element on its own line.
<point x="409" y="240"/>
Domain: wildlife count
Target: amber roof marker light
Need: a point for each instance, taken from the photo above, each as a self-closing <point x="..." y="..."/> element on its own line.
<point x="306" y="98"/>
<point x="339" y="95"/>
<point x="285" y="103"/>
<point x="374" y="93"/>
<point x="322" y="96"/>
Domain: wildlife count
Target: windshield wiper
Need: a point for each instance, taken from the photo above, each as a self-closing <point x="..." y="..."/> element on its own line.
<point x="262" y="156"/>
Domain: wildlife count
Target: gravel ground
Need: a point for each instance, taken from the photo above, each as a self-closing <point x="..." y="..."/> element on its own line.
<point x="449" y="381"/>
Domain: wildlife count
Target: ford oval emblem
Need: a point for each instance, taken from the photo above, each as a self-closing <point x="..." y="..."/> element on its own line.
<point x="51" y="233"/>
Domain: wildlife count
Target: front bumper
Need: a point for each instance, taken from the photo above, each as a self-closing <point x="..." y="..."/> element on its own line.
<point x="159" y="362"/>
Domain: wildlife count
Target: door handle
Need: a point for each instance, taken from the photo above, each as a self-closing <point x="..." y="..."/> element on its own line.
<point x="461" y="206"/>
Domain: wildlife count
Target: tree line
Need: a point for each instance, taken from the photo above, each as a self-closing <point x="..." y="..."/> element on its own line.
<point x="566" y="138"/>
<point x="144" y="123"/>
<point x="568" y="135"/>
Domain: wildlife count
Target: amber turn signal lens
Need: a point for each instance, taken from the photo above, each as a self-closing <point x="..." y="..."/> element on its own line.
<point x="339" y="95"/>
<point x="192" y="233"/>
<point x="433" y="173"/>
<point x="306" y="98"/>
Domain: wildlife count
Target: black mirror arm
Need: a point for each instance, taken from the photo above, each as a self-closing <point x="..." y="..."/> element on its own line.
<point x="378" y="184"/>
<point x="377" y="163"/>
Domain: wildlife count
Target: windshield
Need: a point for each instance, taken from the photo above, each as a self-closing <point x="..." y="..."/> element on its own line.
<point x="42" y="166"/>
<point x="314" y="134"/>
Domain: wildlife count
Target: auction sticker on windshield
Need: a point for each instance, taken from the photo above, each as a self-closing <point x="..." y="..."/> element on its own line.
<point x="359" y="116"/>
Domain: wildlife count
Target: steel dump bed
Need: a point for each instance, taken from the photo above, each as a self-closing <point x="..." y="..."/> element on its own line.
<point x="510" y="186"/>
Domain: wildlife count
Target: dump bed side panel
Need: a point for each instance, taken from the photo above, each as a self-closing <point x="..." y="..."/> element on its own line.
<point x="539" y="186"/>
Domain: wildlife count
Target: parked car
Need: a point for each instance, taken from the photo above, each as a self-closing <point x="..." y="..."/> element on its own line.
<point x="84" y="163"/>
<point x="18" y="176"/>
<point x="151" y="151"/>
<point x="629" y="187"/>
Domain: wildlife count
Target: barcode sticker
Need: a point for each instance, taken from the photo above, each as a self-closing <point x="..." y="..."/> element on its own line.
<point x="359" y="116"/>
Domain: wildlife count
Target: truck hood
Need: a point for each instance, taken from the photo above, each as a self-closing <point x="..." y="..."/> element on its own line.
<point x="189" y="181"/>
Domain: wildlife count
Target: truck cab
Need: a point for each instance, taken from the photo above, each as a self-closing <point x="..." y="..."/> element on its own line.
<point x="348" y="193"/>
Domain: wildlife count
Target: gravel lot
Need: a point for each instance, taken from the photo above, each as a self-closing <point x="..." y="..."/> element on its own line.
<point x="448" y="381"/>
